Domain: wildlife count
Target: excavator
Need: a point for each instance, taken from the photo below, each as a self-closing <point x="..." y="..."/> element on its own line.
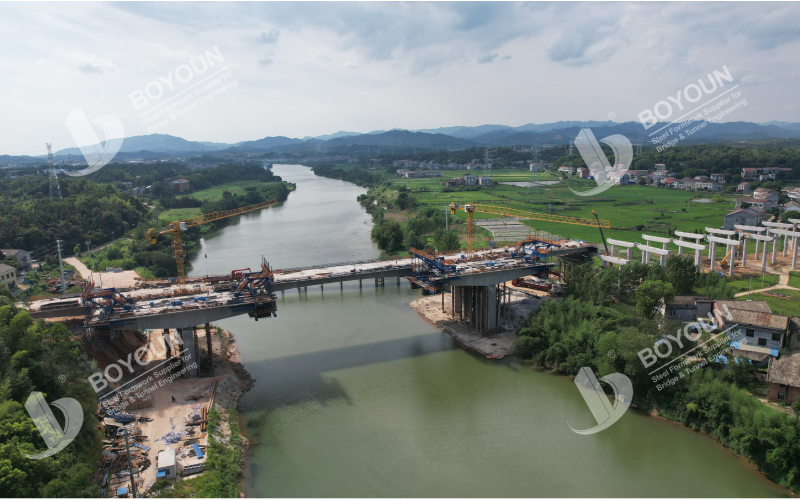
<point x="471" y="209"/>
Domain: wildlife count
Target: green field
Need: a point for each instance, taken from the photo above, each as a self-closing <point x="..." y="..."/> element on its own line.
<point x="178" y="214"/>
<point x="780" y="305"/>
<point x="743" y="285"/>
<point x="215" y="193"/>
<point x="794" y="279"/>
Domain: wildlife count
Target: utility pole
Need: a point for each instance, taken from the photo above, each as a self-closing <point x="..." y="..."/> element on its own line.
<point x="55" y="187"/>
<point x="61" y="266"/>
<point x="89" y="249"/>
<point x="446" y="220"/>
<point x="130" y="464"/>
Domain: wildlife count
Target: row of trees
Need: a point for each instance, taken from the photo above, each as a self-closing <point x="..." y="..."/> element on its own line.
<point x="392" y="236"/>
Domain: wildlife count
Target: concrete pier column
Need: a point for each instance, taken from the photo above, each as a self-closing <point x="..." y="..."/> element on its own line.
<point x="774" y="247"/>
<point x="744" y="251"/>
<point x="696" y="258"/>
<point x="457" y="302"/>
<point x="757" y="244"/>
<point x="613" y="249"/>
<point x="680" y="248"/>
<point x="712" y="250"/>
<point x="785" y="243"/>
<point x="167" y="343"/>
<point x="764" y="256"/>
<point x="491" y="308"/>
<point x="210" y="349"/>
<point x="732" y="261"/>
<point x="189" y="351"/>
<point x="794" y="253"/>
<point x="663" y="260"/>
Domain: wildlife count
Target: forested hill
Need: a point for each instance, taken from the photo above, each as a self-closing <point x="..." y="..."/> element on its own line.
<point x="97" y="206"/>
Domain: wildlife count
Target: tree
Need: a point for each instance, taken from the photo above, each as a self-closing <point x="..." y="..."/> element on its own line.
<point x="445" y="241"/>
<point x="389" y="236"/>
<point x="77" y="250"/>
<point x="414" y="240"/>
<point x="681" y="273"/>
<point x="649" y="295"/>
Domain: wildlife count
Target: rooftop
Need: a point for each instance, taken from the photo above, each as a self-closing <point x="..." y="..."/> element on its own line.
<point x="747" y="305"/>
<point x="785" y="370"/>
<point x="4" y="268"/>
<point x="761" y="319"/>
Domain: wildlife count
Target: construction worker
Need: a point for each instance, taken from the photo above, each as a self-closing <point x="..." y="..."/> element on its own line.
<point x="173" y="399"/>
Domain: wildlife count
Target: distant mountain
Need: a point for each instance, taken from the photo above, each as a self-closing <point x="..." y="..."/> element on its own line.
<point x="218" y="146"/>
<point x="341" y="133"/>
<point x="157" y="143"/>
<point x="786" y="125"/>
<point x="402" y="138"/>
<point x="265" y="143"/>
<point x="464" y="132"/>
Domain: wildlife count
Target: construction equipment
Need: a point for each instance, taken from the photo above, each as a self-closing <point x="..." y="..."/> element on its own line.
<point x="470" y="209"/>
<point x="594" y="212"/>
<point x="175" y="228"/>
<point x="724" y="263"/>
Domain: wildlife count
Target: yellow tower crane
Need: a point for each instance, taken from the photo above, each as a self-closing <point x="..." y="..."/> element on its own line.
<point x="471" y="209"/>
<point x="175" y="228"/>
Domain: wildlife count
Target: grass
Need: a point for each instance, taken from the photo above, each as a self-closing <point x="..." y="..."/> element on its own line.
<point x="794" y="279"/>
<point x="780" y="305"/>
<point x="215" y="193"/>
<point x="177" y="214"/>
<point x="743" y="285"/>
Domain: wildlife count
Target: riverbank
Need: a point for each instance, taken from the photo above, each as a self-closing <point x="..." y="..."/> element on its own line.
<point x="164" y="413"/>
<point x="497" y="345"/>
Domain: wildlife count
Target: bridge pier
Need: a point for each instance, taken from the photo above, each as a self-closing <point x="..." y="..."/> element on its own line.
<point x="210" y="350"/>
<point x="478" y="307"/>
<point x="190" y="346"/>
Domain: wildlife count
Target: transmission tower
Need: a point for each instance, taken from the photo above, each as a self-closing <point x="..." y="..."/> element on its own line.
<point x="55" y="187"/>
<point x="639" y="147"/>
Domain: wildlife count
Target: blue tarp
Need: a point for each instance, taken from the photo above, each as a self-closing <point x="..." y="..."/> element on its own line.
<point x="197" y="451"/>
<point x="161" y="473"/>
<point x="122" y="491"/>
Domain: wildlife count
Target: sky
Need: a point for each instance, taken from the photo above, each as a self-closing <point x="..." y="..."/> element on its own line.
<point x="306" y="69"/>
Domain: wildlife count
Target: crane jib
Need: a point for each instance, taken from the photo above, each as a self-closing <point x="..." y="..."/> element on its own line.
<point x="508" y="212"/>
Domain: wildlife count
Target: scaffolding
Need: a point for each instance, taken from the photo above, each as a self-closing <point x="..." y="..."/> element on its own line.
<point x="430" y="272"/>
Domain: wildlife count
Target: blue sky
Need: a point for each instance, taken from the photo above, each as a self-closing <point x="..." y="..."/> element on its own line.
<point x="305" y="69"/>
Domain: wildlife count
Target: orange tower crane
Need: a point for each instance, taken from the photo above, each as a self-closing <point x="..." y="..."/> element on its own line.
<point x="175" y="228"/>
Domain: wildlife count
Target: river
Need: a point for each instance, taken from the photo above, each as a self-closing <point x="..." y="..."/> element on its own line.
<point x="356" y="395"/>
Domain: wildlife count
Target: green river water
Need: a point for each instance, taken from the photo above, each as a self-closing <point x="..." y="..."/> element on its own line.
<point x="356" y="395"/>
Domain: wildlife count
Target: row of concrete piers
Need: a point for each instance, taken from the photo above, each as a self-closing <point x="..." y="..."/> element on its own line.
<point x="482" y="308"/>
<point x="189" y="354"/>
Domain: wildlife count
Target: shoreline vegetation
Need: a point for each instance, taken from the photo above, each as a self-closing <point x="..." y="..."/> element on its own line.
<point x="601" y="324"/>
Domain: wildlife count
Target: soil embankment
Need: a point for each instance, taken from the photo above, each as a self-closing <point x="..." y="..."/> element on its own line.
<point x="497" y="344"/>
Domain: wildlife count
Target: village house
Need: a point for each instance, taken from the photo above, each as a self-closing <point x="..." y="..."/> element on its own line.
<point x="756" y="331"/>
<point x="743" y="217"/>
<point x="687" y="307"/>
<point x="707" y="186"/>
<point x="718" y="178"/>
<point x="766" y="194"/>
<point x="567" y="170"/>
<point x="766" y="205"/>
<point x="783" y="376"/>
<point x="470" y="179"/>
<point x="744" y="188"/>
<point x="451" y="183"/>
<point x="660" y="167"/>
<point x="8" y="275"/>
<point x="585" y="173"/>
<point x="484" y="181"/>
<point x="22" y="256"/>
<point x="180" y="185"/>
<point x="792" y="192"/>
<point x="792" y="206"/>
